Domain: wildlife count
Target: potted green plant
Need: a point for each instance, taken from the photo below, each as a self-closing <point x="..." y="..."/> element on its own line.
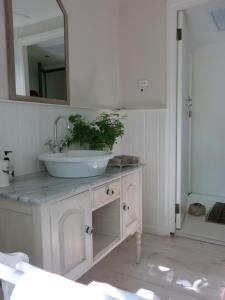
<point x="100" y="134"/>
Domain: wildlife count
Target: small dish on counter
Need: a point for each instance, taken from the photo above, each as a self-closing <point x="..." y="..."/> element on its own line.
<point x="124" y="161"/>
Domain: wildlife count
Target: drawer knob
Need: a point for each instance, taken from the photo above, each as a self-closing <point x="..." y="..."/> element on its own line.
<point x="89" y="229"/>
<point x="126" y="207"/>
<point x="109" y="191"/>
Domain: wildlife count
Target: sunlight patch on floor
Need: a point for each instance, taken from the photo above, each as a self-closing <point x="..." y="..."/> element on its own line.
<point x="146" y="294"/>
<point x="170" y="276"/>
<point x="196" y="286"/>
<point x="163" y="269"/>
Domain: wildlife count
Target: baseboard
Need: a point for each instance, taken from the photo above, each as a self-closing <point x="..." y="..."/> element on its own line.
<point x="199" y="238"/>
<point x="156" y="230"/>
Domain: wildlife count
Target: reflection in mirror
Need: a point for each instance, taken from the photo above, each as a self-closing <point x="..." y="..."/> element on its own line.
<point x="40" y="54"/>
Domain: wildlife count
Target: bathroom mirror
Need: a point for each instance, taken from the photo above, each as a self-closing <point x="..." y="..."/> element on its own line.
<point x="37" y="38"/>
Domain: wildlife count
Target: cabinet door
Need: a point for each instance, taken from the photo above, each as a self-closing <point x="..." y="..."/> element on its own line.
<point x="131" y="204"/>
<point x="71" y="245"/>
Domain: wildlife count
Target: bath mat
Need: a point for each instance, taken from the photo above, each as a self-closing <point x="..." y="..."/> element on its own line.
<point x="217" y="214"/>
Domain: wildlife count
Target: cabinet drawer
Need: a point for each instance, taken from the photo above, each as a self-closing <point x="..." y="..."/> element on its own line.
<point x="105" y="193"/>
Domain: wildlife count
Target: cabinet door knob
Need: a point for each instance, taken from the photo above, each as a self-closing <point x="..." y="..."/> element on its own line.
<point x="89" y="229"/>
<point x="126" y="207"/>
<point x="109" y="191"/>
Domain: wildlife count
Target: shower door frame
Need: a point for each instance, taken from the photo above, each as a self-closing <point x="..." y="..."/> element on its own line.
<point x="173" y="6"/>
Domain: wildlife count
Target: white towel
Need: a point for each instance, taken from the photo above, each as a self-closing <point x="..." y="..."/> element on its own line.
<point x="40" y="285"/>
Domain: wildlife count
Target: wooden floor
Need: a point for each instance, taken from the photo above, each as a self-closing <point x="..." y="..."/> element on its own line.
<point x="171" y="268"/>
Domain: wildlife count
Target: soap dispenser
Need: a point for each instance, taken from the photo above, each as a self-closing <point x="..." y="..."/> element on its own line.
<point x="10" y="166"/>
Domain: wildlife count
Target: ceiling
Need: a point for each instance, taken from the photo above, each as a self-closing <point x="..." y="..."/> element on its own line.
<point x="26" y="12"/>
<point x="201" y="26"/>
<point x="50" y="53"/>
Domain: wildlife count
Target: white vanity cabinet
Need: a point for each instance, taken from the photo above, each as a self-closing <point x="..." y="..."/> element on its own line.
<point x="131" y="204"/>
<point x="71" y="235"/>
<point x="68" y="235"/>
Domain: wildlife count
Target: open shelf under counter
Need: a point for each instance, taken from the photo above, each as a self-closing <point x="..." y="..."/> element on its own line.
<point x="102" y="243"/>
<point x="107" y="228"/>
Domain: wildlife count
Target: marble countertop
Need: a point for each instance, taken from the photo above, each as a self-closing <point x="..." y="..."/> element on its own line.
<point x="39" y="188"/>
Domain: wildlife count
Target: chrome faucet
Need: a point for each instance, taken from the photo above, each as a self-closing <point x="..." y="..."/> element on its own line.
<point x="54" y="145"/>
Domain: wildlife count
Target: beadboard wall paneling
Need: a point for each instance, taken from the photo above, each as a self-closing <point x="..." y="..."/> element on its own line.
<point x="145" y="136"/>
<point x="25" y="128"/>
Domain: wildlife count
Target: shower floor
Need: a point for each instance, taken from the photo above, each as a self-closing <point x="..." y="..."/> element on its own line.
<point x="197" y="228"/>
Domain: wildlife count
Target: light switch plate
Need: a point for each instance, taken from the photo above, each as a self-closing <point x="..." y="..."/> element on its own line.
<point x="142" y="84"/>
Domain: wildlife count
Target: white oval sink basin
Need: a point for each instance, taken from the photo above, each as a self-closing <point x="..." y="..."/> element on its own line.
<point x="77" y="163"/>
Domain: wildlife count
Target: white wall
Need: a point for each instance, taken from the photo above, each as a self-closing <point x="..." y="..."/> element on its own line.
<point x="25" y="128"/>
<point x="93" y="46"/>
<point x="112" y="44"/>
<point x="98" y="68"/>
<point x="142" y="44"/>
<point x="145" y="137"/>
<point x="93" y="49"/>
<point x="208" y="128"/>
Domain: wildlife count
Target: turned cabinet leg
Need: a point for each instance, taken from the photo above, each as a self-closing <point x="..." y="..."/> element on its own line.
<point x="138" y="245"/>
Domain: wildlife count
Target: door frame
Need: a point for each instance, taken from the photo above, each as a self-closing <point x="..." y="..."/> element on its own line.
<point x="173" y="6"/>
